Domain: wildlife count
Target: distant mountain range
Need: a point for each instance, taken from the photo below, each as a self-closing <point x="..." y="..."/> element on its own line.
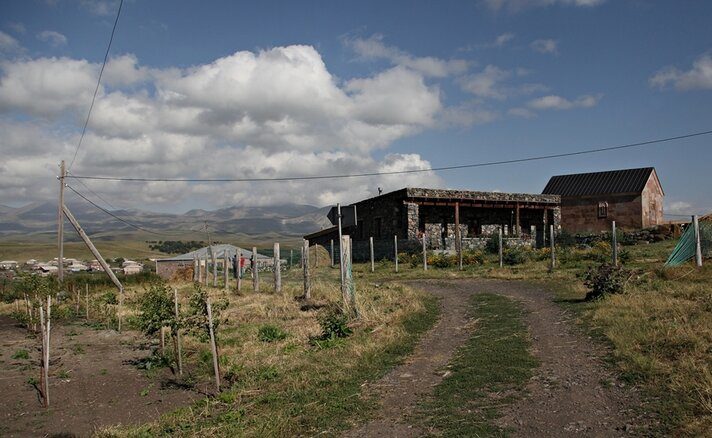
<point x="38" y="219"/>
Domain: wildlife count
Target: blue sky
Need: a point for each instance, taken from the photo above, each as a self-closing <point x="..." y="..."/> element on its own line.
<point x="350" y="87"/>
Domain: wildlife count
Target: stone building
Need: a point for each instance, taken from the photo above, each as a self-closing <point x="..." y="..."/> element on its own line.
<point x="591" y="201"/>
<point x="408" y="213"/>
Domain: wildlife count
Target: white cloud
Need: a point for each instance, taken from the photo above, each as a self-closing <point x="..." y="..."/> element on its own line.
<point x="503" y="39"/>
<point x="678" y="207"/>
<point x="490" y="83"/>
<point x="374" y="48"/>
<point x="699" y="77"/>
<point x="17" y="27"/>
<point x="55" y="39"/>
<point x="521" y="112"/>
<point x="554" y="102"/>
<point x="545" y="46"/>
<point x="275" y="112"/>
<point x="100" y="7"/>
<point x="8" y="43"/>
<point x="46" y="86"/>
<point x="518" y="5"/>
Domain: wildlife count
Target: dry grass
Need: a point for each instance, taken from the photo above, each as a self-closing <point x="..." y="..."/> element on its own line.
<point x="290" y="387"/>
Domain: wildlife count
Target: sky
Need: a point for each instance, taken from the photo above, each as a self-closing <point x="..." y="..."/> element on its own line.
<point x="228" y="89"/>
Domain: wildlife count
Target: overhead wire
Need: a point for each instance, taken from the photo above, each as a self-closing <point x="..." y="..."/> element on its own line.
<point x="401" y="172"/>
<point x="98" y="82"/>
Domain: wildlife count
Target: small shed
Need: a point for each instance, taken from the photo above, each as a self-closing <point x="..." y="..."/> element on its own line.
<point x="591" y="201"/>
<point x="166" y="268"/>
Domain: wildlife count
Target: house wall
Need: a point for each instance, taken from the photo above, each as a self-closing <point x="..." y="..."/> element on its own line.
<point x="580" y="214"/>
<point x="652" y="203"/>
<point x="168" y="269"/>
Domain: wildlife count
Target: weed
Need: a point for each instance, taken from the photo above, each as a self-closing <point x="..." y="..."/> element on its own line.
<point x="605" y="279"/>
<point x="21" y="354"/>
<point x="271" y="333"/>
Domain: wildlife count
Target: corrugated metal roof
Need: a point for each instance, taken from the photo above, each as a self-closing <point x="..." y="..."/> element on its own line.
<point x="218" y="250"/>
<point x="599" y="183"/>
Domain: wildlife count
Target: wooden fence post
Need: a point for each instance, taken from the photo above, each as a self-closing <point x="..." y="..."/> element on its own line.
<point x="698" y="243"/>
<point x="425" y="253"/>
<point x="238" y="269"/>
<point x="277" y="269"/>
<point x="370" y="243"/>
<point x="331" y="253"/>
<point x="500" y="250"/>
<point x="614" y="244"/>
<point x="119" y="313"/>
<point x="255" y="271"/>
<point x="86" y="286"/>
<point x="552" y="242"/>
<point x="349" y="286"/>
<point x="207" y="269"/>
<point x="179" y="348"/>
<point x="213" y="345"/>
<point x="196" y="267"/>
<point x="226" y="270"/>
<point x="395" y="250"/>
<point x="305" y="266"/>
<point x="214" y="259"/>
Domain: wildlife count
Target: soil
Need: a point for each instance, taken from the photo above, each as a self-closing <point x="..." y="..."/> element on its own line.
<point x="93" y="382"/>
<point x="572" y="391"/>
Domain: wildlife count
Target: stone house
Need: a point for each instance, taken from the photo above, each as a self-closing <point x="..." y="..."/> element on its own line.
<point x="591" y="201"/>
<point x="408" y="213"/>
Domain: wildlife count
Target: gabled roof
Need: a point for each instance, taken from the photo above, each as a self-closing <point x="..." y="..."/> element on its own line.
<point x="218" y="251"/>
<point x="600" y="183"/>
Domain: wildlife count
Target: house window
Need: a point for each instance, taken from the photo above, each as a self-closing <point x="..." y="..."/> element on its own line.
<point x="602" y="210"/>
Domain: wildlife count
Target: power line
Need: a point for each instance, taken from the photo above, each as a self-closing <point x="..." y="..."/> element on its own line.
<point x="96" y="90"/>
<point x="96" y="194"/>
<point x="401" y="172"/>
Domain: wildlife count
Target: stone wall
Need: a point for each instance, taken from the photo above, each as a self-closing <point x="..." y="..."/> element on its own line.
<point x="580" y="215"/>
<point x="652" y="203"/>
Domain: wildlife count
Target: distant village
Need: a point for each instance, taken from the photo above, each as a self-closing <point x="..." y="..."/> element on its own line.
<point x="126" y="267"/>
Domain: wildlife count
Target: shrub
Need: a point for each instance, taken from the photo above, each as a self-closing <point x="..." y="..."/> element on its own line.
<point x="514" y="256"/>
<point x="442" y="260"/>
<point x="334" y="325"/>
<point x="473" y="257"/>
<point x="156" y="310"/>
<point x="565" y="239"/>
<point x="21" y="354"/>
<point x="492" y="244"/>
<point x="271" y="333"/>
<point x="605" y="279"/>
<point x="197" y="318"/>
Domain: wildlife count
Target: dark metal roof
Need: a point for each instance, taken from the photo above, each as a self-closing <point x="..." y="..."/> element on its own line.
<point x="599" y="183"/>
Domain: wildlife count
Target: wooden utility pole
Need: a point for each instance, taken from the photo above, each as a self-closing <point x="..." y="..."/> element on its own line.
<point x="277" y="264"/>
<point x="425" y="253"/>
<point x="305" y="265"/>
<point x="213" y="345"/>
<point x="698" y="243"/>
<point x="255" y="271"/>
<point x="395" y="250"/>
<point x="458" y="237"/>
<point x="341" y="251"/>
<point x="614" y="244"/>
<point x="60" y="224"/>
<point x="370" y="244"/>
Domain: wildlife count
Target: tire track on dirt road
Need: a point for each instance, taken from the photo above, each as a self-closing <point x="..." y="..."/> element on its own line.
<point x="571" y="393"/>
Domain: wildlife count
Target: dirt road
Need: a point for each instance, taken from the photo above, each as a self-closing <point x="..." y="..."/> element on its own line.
<point x="571" y="393"/>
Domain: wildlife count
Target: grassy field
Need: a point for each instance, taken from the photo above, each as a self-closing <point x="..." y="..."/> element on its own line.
<point x="659" y="330"/>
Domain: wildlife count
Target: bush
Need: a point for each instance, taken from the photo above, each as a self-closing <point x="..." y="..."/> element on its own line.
<point x="515" y="256"/>
<point x="271" y="333"/>
<point x="334" y="325"/>
<point x="605" y="279"/>
<point x="492" y="244"/>
<point x="442" y="260"/>
<point x="156" y="310"/>
<point x="473" y="257"/>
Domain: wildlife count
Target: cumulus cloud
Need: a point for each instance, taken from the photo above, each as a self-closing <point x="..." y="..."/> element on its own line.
<point x="698" y="77"/>
<point x="17" y="27"/>
<point x="276" y="112"/>
<point x="53" y="38"/>
<point x="545" y="46"/>
<point x="554" y="102"/>
<point x="374" y="48"/>
<point x="518" y="5"/>
<point x="678" y="207"/>
<point x="8" y="43"/>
